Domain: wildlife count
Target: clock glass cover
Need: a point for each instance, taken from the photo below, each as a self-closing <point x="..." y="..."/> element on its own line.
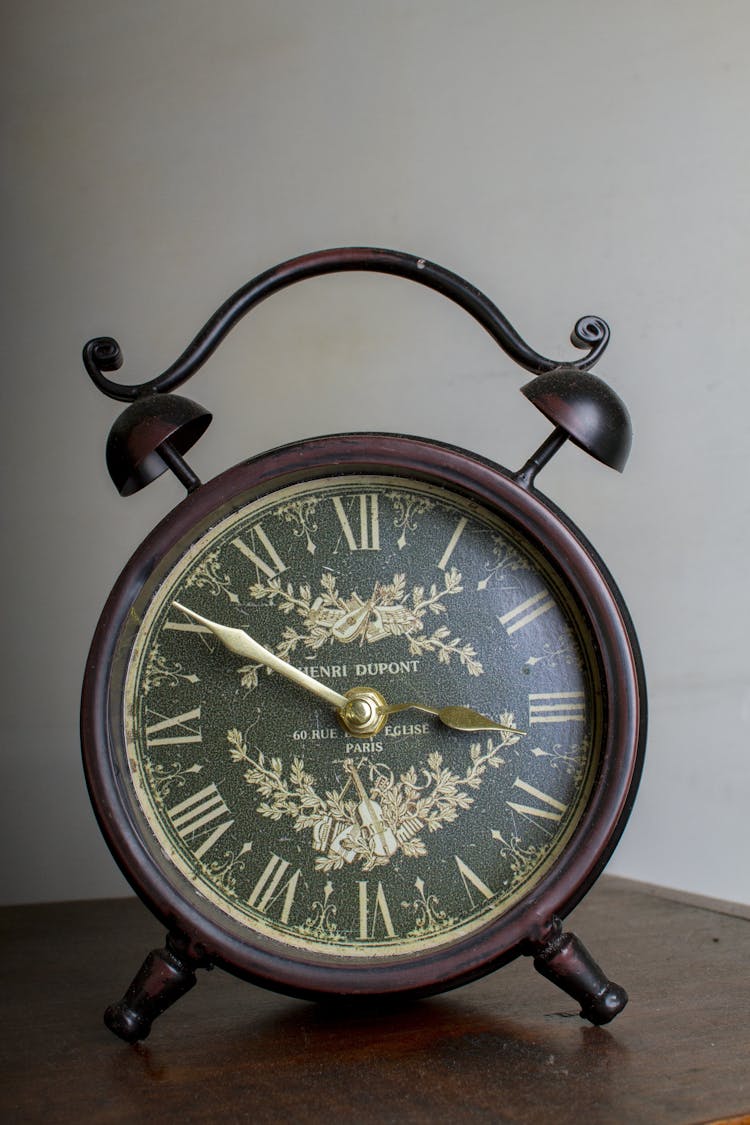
<point x="252" y="793"/>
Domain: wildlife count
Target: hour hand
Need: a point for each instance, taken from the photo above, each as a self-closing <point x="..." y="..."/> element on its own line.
<point x="241" y="643"/>
<point x="458" y="718"/>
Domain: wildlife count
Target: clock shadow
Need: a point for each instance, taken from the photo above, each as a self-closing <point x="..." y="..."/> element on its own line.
<point x="315" y="1060"/>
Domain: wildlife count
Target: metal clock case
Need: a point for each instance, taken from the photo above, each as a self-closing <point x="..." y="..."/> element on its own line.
<point x="364" y="715"/>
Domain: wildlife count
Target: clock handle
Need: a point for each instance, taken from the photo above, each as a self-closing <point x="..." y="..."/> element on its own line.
<point x="165" y="976"/>
<point x="101" y="354"/>
<point x="565" y="961"/>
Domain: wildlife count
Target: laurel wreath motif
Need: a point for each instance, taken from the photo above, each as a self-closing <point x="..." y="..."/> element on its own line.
<point x="398" y="809"/>
<point x="389" y="611"/>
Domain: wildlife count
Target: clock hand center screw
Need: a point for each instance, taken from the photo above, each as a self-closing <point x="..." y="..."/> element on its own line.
<point x="365" y="713"/>
<point x="359" y="711"/>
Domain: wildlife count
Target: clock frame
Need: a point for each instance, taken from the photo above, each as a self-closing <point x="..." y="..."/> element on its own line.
<point x="152" y="439"/>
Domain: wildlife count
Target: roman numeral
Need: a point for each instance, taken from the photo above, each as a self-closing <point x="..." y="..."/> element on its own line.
<point x="194" y="818"/>
<point x="271" y="565"/>
<point x="270" y="887"/>
<point x="526" y="612"/>
<point x="471" y="879"/>
<point x="557" y="707"/>
<point x="364" y="513"/>
<point x="183" y="728"/>
<point x="549" y="808"/>
<point x="368" y="923"/>
<point x="452" y="542"/>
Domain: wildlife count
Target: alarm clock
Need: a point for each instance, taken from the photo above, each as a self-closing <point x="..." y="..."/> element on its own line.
<point x="365" y="714"/>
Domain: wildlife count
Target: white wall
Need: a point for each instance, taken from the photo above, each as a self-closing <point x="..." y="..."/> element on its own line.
<point x="567" y="157"/>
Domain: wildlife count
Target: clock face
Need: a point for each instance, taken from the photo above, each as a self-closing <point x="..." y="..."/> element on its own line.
<point x="248" y="786"/>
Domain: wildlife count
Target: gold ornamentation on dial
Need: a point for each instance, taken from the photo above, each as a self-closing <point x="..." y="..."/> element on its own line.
<point x="389" y="611"/>
<point x="368" y="823"/>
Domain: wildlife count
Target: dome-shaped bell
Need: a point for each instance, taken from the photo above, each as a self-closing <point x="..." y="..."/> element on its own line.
<point x="133" y="456"/>
<point x="587" y="409"/>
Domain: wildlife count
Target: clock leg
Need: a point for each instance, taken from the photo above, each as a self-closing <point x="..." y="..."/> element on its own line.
<point x="565" y="960"/>
<point x="165" y="976"/>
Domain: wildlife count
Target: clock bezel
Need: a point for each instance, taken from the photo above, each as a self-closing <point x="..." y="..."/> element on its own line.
<point x="268" y="961"/>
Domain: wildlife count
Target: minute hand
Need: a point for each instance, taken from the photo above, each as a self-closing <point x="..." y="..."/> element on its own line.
<point x="238" y="642"/>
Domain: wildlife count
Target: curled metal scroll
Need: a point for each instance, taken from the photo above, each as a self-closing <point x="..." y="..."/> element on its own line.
<point x="104" y="354"/>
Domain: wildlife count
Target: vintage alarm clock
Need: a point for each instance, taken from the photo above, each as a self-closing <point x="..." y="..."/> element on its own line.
<point x="364" y="715"/>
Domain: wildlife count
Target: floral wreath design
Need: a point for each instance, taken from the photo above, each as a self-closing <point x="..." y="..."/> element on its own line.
<point x="389" y="611"/>
<point x="368" y="823"/>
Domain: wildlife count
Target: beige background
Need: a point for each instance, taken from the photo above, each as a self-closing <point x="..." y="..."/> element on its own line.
<point x="567" y="157"/>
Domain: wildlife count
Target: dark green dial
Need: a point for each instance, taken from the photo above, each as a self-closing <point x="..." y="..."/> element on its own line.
<point x="251" y="785"/>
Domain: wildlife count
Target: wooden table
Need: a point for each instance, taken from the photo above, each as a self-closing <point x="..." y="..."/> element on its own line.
<point x="509" y="1048"/>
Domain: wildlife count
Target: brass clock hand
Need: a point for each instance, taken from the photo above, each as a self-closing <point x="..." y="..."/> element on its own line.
<point x="241" y="644"/>
<point x="458" y="718"/>
<point x="363" y="711"/>
<point x="367" y="713"/>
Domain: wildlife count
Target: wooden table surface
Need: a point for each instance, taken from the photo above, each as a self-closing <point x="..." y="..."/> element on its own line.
<point x="509" y="1048"/>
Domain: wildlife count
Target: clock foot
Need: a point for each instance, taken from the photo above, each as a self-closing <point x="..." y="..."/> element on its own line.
<point x="565" y="960"/>
<point x="165" y="976"/>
